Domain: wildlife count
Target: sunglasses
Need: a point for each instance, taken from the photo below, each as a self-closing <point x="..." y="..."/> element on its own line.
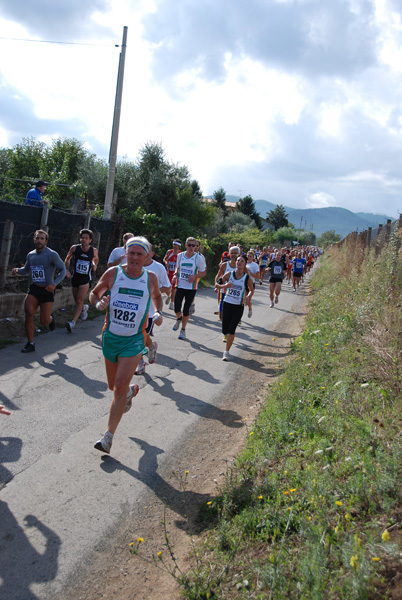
<point x="191" y="245"/>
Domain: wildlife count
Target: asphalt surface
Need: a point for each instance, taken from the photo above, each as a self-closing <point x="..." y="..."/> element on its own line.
<point x="60" y="499"/>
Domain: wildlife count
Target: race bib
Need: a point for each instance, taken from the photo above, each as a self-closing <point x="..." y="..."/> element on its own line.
<point x="123" y="316"/>
<point x="38" y="274"/>
<point x="277" y="270"/>
<point x="185" y="273"/>
<point x="171" y="266"/>
<point x="82" y="267"/>
<point x="235" y="291"/>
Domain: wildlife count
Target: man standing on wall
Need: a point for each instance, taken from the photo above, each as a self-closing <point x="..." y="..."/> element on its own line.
<point x="41" y="263"/>
<point x="34" y="196"/>
<point x="85" y="261"/>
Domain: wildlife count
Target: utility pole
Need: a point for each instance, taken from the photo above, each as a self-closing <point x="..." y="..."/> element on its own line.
<point x="107" y="212"/>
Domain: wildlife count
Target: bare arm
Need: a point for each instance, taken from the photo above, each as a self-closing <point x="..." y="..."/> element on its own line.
<point x="105" y="283"/>
<point x="156" y="297"/>
<point x="95" y="260"/>
<point x="68" y="258"/>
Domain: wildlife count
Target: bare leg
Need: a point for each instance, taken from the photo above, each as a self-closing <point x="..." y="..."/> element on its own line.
<point x="119" y="376"/>
<point x="79" y="294"/>
<point x="229" y="341"/>
<point x="30" y="305"/>
<point x="46" y="312"/>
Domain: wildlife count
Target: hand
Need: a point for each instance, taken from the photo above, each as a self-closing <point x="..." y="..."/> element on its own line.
<point x="14" y="271"/>
<point x="159" y="320"/>
<point x="192" y="278"/>
<point x="229" y="285"/>
<point x="103" y="303"/>
<point x="4" y="411"/>
<point x="68" y="275"/>
<point x="50" y="288"/>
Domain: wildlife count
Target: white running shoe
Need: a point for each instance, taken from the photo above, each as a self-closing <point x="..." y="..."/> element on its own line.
<point x="250" y="313"/>
<point x="70" y="326"/>
<point x="176" y="325"/>
<point x="271" y="305"/>
<point x="132" y="392"/>
<point x="294" y="289"/>
<point x="171" y="306"/>
<point x="84" y="314"/>
<point x="105" y="443"/>
<point x="152" y="353"/>
<point x="140" y="370"/>
<point x="182" y="334"/>
<point x="226" y="356"/>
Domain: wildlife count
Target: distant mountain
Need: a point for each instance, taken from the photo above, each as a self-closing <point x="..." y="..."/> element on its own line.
<point x="319" y="220"/>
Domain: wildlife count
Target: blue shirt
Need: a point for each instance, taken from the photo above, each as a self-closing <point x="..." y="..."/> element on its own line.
<point x="34" y="197"/>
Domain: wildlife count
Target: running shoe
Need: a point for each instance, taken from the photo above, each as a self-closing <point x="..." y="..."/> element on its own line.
<point x="191" y="309"/>
<point x="225" y="338"/>
<point x="294" y="289"/>
<point x="132" y="392"/>
<point x="276" y="299"/>
<point x="70" y="326"/>
<point x="84" y="314"/>
<point x="182" y="334"/>
<point x="105" y="443"/>
<point x="140" y="370"/>
<point x="152" y="353"/>
<point x="176" y="325"/>
<point x="29" y="347"/>
<point x="167" y="300"/>
<point x="52" y="324"/>
<point x="250" y="313"/>
<point x="226" y="356"/>
<point x="171" y="306"/>
<point x="271" y="305"/>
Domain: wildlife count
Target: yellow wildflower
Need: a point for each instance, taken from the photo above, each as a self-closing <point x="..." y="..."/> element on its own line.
<point x="210" y="502"/>
<point x="338" y="502"/>
<point x="286" y="493"/>
<point x="131" y="544"/>
<point x="293" y="490"/>
<point x="385" y="536"/>
<point x="260" y="497"/>
<point x="251" y="432"/>
<point x="159" y="553"/>
<point x="354" y="561"/>
<point x="289" y="508"/>
<point x="375" y="559"/>
<point x="186" y="472"/>
<point x="292" y="433"/>
<point x="140" y="540"/>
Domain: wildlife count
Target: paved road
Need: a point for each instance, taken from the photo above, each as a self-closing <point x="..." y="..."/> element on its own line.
<point x="61" y="499"/>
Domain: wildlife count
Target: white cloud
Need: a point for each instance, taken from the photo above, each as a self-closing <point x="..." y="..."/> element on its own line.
<point x="320" y="200"/>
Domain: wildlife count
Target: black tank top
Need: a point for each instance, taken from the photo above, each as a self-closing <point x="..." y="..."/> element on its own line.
<point x="83" y="261"/>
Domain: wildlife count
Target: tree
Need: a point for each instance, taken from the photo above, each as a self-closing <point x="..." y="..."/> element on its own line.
<point x="247" y="207"/>
<point x="328" y="237"/>
<point x="285" y="234"/>
<point x="238" y="221"/>
<point x="278" y="217"/>
<point x="307" y="238"/>
<point x="220" y="200"/>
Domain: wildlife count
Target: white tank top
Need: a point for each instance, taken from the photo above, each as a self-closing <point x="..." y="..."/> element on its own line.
<point x="236" y="294"/>
<point x="128" y="309"/>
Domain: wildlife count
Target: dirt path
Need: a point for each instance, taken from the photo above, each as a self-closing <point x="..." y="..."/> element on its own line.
<point x="206" y="454"/>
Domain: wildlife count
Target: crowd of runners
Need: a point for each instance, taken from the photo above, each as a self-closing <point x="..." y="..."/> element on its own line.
<point x="130" y="291"/>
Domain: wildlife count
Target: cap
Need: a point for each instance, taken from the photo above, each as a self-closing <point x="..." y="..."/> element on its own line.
<point x="40" y="183"/>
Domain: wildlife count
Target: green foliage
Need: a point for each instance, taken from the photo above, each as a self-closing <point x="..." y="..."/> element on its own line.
<point x="307" y="238"/>
<point x="278" y="217"/>
<point x="327" y="238"/>
<point x="236" y="222"/>
<point x="220" y="200"/>
<point x="285" y="234"/>
<point x="246" y="205"/>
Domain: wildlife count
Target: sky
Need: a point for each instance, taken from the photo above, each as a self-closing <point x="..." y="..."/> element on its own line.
<point x="298" y="102"/>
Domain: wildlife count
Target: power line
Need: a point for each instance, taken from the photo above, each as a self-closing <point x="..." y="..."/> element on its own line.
<point x="55" y="42"/>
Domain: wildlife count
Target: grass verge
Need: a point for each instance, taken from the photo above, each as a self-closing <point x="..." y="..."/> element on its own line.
<point x="312" y="508"/>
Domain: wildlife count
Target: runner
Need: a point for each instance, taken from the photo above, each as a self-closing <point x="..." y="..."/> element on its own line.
<point x="118" y="255"/>
<point x="264" y="256"/>
<point x="276" y="268"/>
<point x="225" y="267"/>
<point x="41" y="263"/>
<point x="164" y="288"/>
<point x="197" y="250"/>
<point x="190" y="268"/>
<point x="238" y="292"/>
<point x="298" y="268"/>
<point x="126" y="292"/>
<point x="85" y="261"/>
<point x="170" y="261"/>
<point x="254" y="272"/>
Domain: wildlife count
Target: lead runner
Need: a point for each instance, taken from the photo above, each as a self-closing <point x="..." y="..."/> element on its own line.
<point x="126" y="292"/>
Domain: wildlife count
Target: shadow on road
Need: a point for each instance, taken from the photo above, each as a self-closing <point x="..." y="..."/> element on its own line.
<point x="10" y="451"/>
<point x="190" y="404"/>
<point x="21" y="564"/>
<point x="180" y="501"/>
<point x="59" y="367"/>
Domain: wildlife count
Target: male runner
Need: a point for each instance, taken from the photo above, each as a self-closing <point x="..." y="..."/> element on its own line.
<point x="126" y="292"/>
<point x="190" y="268"/>
<point x="85" y="261"/>
<point x="41" y="263"/>
<point x="118" y="255"/>
<point x="202" y="268"/>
